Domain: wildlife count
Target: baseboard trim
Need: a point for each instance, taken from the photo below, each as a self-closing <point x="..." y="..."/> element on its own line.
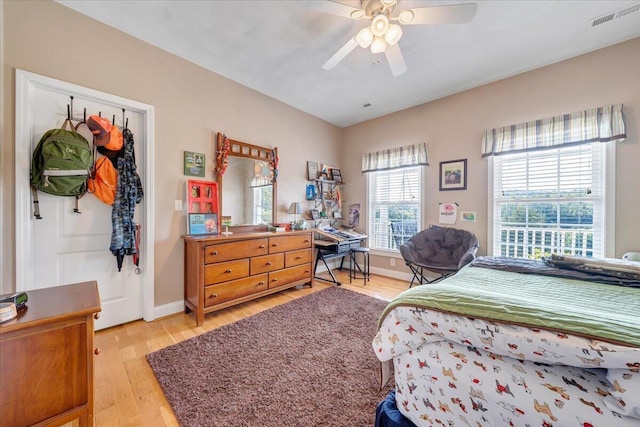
<point x="178" y="306"/>
<point x="169" y="309"/>
<point x="394" y="274"/>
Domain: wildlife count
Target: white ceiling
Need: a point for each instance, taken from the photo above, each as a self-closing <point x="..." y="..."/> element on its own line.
<point x="277" y="47"/>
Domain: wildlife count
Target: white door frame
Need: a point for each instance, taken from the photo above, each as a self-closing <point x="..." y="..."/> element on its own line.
<point x="25" y="83"/>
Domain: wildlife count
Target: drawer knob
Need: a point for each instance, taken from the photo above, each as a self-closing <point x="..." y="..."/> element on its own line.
<point x="306" y="240"/>
<point x="261" y="283"/>
<point x="275" y="245"/>
<point x="213" y="296"/>
<point x="298" y="257"/>
<point x="228" y="270"/>
<point x="269" y="263"/>
<point x="261" y="247"/>
<point x="274" y="280"/>
<point x="215" y="252"/>
<point x="96" y="316"/>
<point x="96" y="351"/>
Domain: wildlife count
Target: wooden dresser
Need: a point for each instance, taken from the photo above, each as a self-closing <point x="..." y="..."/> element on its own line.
<point x="46" y="358"/>
<point x="221" y="271"/>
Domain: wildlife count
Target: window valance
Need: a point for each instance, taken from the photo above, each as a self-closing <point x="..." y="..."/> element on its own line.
<point x="393" y="158"/>
<point x="597" y="124"/>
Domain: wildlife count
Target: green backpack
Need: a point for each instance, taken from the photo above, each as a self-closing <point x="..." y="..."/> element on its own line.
<point x="60" y="165"/>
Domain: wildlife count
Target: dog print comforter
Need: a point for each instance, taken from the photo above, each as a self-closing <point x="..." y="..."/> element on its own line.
<point x="493" y="348"/>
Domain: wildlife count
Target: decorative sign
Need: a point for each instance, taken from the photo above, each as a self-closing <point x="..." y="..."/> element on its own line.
<point x="203" y="223"/>
<point x="448" y="213"/>
<point x="202" y="199"/>
<point x="193" y="164"/>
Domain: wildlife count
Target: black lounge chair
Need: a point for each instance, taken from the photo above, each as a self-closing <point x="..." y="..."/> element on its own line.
<point x="440" y="250"/>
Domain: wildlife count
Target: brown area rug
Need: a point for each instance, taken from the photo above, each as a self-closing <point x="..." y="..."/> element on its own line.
<point x="308" y="362"/>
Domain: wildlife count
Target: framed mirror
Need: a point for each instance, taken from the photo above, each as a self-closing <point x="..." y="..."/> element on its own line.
<point x="248" y="190"/>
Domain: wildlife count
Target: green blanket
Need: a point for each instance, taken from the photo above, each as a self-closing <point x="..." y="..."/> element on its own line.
<point x="594" y="310"/>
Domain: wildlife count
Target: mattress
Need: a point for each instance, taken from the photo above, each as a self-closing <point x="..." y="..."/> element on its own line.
<point x="495" y="348"/>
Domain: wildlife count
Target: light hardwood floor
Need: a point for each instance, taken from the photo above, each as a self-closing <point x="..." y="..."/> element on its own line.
<point x="126" y="391"/>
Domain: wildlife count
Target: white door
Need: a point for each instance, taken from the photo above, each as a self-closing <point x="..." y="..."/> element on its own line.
<point x="66" y="247"/>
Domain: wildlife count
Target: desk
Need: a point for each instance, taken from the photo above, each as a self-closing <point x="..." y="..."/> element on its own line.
<point x="327" y="250"/>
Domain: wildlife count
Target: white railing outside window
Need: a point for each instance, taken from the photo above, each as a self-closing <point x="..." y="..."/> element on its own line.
<point x="538" y="242"/>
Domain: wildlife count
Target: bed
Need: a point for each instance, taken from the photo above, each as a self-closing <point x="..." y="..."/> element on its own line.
<point x="496" y="346"/>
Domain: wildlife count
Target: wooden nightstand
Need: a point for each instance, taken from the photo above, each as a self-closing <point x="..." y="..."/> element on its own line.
<point x="46" y="358"/>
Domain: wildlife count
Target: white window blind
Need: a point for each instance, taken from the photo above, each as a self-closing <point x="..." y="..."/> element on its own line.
<point x="394" y="208"/>
<point x="550" y="201"/>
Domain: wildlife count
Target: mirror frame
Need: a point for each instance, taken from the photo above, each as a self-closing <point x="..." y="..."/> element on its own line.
<point x="248" y="151"/>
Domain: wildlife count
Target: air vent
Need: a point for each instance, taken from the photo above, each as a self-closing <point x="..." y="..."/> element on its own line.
<point x="368" y="104"/>
<point x="603" y="19"/>
<point x="628" y="10"/>
<point x="615" y="15"/>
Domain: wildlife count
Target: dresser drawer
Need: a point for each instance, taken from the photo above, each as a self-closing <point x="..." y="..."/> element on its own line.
<point x="289" y="243"/>
<point x="294" y="258"/>
<point x="288" y="275"/>
<point x="224" y="271"/>
<point x="266" y="263"/>
<point x="217" y="294"/>
<point x="235" y="250"/>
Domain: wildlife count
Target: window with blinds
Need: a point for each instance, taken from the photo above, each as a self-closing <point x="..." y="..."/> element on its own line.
<point x="394" y="208"/>
<point x="550" y="201"/>
<point x="262" y="204"/>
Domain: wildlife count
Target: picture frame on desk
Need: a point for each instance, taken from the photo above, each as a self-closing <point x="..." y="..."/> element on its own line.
<point x="315" y="214"/>
<point x="336" y="175"/>
<point x="202" y="223"/>
<point x="326" y="170"/>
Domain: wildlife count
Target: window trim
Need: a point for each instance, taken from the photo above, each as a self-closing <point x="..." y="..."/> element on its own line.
<point x="395" y="253"/>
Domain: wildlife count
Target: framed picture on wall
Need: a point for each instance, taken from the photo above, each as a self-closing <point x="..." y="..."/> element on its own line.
<point x="193" y="163"/>
<point x="312" y="171"/>
<point x="453" y="175"/>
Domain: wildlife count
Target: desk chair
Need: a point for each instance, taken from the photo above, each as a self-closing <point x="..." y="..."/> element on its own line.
<point x="355" y="268"/>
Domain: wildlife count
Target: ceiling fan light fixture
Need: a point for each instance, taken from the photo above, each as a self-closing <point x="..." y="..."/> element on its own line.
<point x="388" y="3"/>
<point x="364" y="37"/>
<point x="378" y="45"/>
<point x="406" y="16"/>
<point x="393" y="34"/>
<point x="379" y="25"/>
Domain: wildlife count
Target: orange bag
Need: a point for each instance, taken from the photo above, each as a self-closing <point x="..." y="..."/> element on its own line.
<point x="103" y="181"/>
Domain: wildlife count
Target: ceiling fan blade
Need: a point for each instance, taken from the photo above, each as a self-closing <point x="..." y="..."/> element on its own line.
<point x="449" y="14"/>
<point x="395" y="59"/>
<point x="332" y="8"/>
<point x="340" y="54"/>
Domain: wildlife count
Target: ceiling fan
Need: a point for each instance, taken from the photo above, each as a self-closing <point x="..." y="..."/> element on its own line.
<point x="381" y="35"/>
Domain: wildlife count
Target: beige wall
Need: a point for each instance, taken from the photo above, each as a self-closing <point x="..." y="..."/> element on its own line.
<point x="453" y="126"/>
<point x="191" y="104"/>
